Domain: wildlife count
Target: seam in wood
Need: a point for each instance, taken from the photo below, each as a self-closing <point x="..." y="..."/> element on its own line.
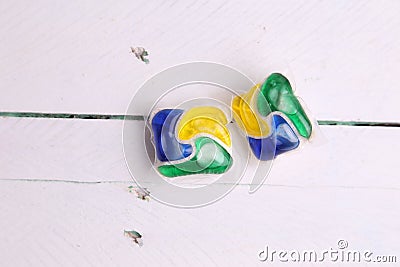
<point x="243" y="184"/>
<point x="142" y="118"/>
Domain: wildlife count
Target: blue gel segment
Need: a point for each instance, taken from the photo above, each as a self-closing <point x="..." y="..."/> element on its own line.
<point x="263" y="148"/>
<point x="167" y="146"/>
<point x="284" y="139"/>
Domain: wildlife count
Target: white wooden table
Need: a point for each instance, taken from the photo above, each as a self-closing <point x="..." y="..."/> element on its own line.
<point x="63" y="182"/>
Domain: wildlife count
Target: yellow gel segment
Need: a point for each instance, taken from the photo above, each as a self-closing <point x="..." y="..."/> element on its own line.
<point x="248" y="120"/>
<point x="209" y="120"/>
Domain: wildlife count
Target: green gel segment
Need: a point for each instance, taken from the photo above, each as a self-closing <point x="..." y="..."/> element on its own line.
<point x="210" y="158"/>
<point x="279" y="95"/>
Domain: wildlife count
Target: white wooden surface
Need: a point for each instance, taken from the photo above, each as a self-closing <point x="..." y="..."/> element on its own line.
<point x="75" y="57"/>
<point x="60" y="224"/>
<point x="92" y="150"/>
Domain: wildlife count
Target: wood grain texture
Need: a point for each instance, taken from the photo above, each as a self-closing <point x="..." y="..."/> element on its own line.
<point x="58" y="224"/>
<point x="63" y="183"/>
<point x="90" y="151"/>
<point x="75" y="57"/>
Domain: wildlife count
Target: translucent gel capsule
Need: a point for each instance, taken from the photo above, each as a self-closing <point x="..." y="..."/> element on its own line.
<point x="167" y="146"/>
<point x="200" y="120"/>
<point x="284" y="140"/>
<point x="205" y="127"/>
<point x="278" y="92"/>
<point x="248" y="120"/>
<point x="210" y="158"/>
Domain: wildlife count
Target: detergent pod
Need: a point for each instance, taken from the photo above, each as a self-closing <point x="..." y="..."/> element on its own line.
<point x="272" y="118"/>
<point x="191" y="141"/>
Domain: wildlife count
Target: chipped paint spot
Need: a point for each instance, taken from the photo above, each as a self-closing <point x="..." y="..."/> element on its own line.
<point x="141" y="193"/>
<point x="135" y="236"/>
<point x="140" y="54"/>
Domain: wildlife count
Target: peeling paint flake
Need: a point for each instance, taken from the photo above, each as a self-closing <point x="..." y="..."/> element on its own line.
<point x="141" y="193"/>
<point x="140" y="54"/>
<point x="135" y="236"/>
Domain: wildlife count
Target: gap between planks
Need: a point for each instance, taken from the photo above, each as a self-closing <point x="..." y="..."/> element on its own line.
<point x="141" y="118"/>
<point x="220" y="184"/>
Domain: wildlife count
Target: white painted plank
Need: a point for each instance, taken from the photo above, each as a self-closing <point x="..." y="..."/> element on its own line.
<point x="62" y="149"/>
<point x="75" y="57"/>
<point x="92" y="150"/>
<point x="59" y="224"/>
